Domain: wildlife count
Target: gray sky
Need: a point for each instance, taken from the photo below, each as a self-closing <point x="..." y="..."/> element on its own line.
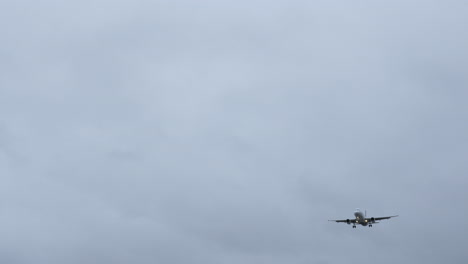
<point x="230" y="131"/>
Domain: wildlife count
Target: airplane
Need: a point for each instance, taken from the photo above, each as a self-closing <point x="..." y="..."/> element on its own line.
<point x="362" y="219"/>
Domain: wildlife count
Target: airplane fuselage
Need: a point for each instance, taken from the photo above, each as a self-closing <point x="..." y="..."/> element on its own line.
<point x="360" y="218"/>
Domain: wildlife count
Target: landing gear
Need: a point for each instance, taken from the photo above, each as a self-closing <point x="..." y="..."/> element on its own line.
<point x="370" y="225"/>
<point x="354" y="226"/>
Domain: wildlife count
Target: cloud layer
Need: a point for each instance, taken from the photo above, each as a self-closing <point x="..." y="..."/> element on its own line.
<point x="230" y="131"/>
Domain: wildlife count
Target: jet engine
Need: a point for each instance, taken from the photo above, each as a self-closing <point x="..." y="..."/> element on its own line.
<point x="348" y="221"/>
<point x="372" y="220"/>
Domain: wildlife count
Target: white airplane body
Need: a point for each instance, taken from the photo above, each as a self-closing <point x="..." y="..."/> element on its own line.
<point x="362" y="219"/>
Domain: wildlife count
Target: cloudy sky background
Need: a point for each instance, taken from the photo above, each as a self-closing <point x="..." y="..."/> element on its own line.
<point x="231" y="131"/>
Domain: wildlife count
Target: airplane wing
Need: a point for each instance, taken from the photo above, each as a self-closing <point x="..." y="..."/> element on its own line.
<point x="343" y="221"/>
<point x="382" y="218"/>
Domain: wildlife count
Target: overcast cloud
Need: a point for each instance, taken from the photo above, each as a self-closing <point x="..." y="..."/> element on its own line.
<point x="231" y="131"/>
